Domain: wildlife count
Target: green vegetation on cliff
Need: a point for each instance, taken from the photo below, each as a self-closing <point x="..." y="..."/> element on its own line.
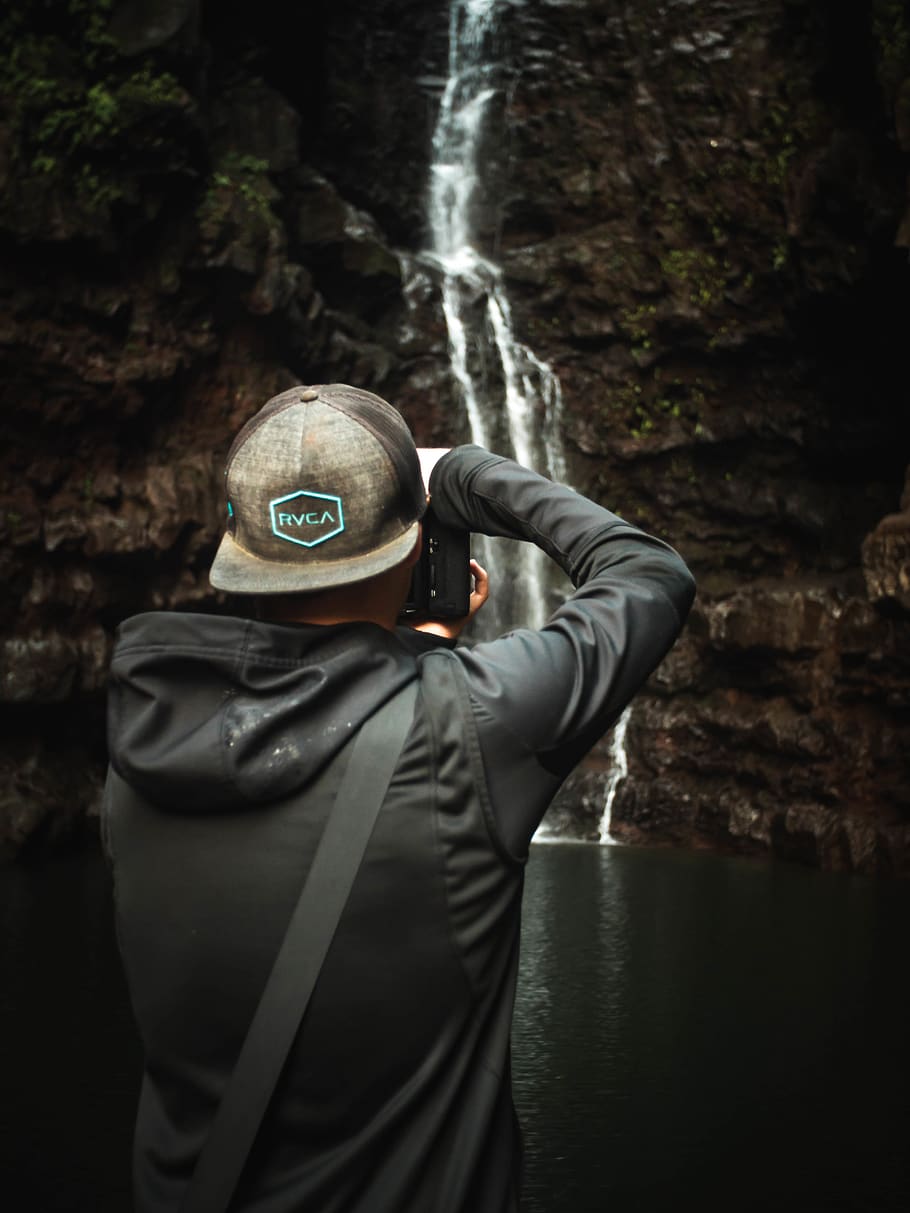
<point x="85" y="121"/>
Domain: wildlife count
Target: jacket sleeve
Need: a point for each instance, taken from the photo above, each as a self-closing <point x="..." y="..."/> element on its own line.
<point x="542" y="698"/>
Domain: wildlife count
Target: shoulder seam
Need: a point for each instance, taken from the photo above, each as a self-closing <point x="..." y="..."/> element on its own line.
<point x="477" y="768"/>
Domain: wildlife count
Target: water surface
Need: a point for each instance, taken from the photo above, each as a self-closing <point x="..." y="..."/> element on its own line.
<point x="725" y="1032"/>
<point x="689" y="1028"/>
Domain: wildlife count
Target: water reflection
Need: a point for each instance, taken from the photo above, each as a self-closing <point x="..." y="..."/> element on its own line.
<point x="689" y="1028"/>
<point x="698" y="1027"/>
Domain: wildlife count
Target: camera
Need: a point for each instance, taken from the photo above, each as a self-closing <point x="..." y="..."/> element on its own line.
<point x="441" y="581"/>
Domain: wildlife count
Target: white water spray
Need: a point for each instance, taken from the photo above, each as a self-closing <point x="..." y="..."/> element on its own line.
<point x="511" y="397"/>
<point x="619" y="769"/>
<point x="522" y="405"/>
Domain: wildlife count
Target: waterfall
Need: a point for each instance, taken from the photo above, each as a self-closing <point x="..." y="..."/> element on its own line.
<point x="512" y="399"/>
<point x="619" y="769"/>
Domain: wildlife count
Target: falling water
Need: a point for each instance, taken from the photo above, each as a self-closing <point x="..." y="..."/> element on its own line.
<point x="511" y="398"/>
<point x="619" y="769"/>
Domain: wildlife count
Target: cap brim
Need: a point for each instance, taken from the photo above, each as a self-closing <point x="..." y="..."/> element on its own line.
<point x="237" y="571"/>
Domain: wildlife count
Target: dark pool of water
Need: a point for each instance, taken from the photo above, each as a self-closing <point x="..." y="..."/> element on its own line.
<point x="690" y="1029"/>
<point x="712" y="1032"/>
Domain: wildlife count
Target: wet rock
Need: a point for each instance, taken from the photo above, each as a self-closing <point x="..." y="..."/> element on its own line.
<point x="886" y="561"/>
<point x="886" y="558"/>
<point x="353" y="266"/>
<point x="46" y="791"/>
<point x="377" y="110"/>
<point x="142" y="25"/>
<point x="789" y="621"/>
<point x="579" y="810"/>
<point x="52" y="667"/>
<point x="775" y="725"/>
<point x="252" y="121"/>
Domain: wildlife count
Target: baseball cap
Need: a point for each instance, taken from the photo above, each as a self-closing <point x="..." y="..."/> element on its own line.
<point x="323" y="489"/>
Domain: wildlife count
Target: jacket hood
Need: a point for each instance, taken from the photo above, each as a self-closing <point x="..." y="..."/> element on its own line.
<point x="213" y="713"/>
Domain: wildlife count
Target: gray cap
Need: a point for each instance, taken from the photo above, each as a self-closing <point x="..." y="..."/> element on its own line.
<point x="324" y="489"/>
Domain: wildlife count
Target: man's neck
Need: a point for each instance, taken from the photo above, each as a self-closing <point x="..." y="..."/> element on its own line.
<point x="378" y="600"/>
<point x="328" y="618"/>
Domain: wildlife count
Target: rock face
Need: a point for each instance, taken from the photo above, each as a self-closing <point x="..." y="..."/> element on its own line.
<point x="886" y="558"/>
<point x="701" y="213"/>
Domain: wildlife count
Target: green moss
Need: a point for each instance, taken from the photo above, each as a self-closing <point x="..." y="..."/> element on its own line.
<point x="237" y="202"/>
<point x="638" y="323"/>
<point x="240" y="177"/>
<point x="644" y="423"/>
<point x="644" y="409"/>
<point x="701" y="272"/>
<point x="76" y="107"/>
<point x="779" y="145"/>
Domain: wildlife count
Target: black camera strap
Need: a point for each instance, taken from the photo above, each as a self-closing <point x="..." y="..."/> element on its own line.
<point x="341" y="847"/>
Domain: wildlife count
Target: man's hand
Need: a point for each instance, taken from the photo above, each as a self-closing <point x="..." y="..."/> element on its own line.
<point x="451" y="629"/>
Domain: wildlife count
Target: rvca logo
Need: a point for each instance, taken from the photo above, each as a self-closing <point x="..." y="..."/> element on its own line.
<point x="306" y="518"/>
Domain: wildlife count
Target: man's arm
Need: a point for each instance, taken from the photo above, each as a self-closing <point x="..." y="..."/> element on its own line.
<point x="543" y="698"/>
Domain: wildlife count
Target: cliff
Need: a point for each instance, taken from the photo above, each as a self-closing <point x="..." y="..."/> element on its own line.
<point x="701" y="213"/>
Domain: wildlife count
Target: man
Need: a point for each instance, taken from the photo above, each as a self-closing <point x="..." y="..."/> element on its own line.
<point x="224" y="730"/>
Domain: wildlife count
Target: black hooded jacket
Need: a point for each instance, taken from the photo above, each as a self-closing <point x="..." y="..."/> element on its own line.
<point x="396" y="1097"/>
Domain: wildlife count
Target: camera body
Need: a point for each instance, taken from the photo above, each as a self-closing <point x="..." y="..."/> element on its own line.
<point x="441" y="581"/>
